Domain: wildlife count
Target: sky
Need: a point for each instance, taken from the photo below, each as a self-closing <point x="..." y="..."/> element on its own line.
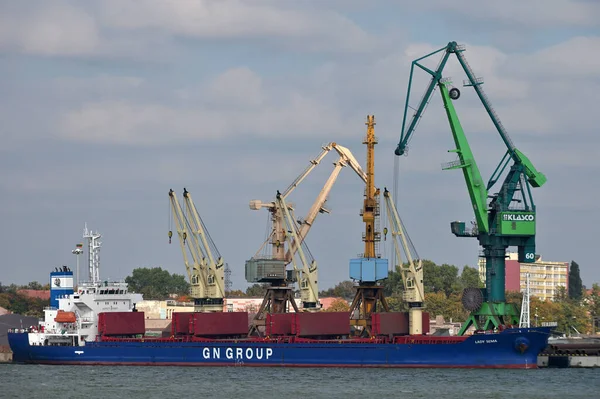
<point x="106" y="105"/>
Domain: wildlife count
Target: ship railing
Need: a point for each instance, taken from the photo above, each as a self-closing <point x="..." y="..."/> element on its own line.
<point x="23" y="330"/>
<point x="271" y="340"/>
<point x="50" y="308"/>
<point x="429" y="340"/>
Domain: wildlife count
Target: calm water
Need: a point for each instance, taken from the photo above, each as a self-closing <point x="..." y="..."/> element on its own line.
<point x="84" y="382"/>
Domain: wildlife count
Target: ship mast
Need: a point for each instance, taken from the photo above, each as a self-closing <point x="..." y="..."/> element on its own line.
<point x="94" y="245"/>
<point x="525" y="321"/>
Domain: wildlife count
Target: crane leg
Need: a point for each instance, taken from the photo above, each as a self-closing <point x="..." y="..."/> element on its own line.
<point x="276" y="300"/>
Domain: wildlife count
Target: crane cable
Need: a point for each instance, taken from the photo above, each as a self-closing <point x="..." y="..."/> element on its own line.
<point x="395" y="191"/>
<point x="170" y="222"/>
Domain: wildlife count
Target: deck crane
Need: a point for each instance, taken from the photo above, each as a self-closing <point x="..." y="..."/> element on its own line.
<point x="369" y="269"/>
<point x="411" y="271"/>
<point x="272" y="268"/>
<point x="307" y="275"/>
<point x="508" y="218"/>
<point x="205" y="269"/>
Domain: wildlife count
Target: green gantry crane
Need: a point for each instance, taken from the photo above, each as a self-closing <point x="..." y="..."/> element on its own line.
<point x="504" y="219"/>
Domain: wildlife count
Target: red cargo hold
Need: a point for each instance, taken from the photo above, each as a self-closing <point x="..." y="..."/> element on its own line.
<point x="389" y="323"/>
<point x="121" y="323"/>
<point x="308" y="324"/>
<point x="180" y="324"/>
<point x="219" y="324"/>
<point x="425" y="323"/>
<point x="279" y="323"/>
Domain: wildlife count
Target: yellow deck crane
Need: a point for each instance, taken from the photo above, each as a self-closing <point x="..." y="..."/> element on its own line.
<point x="205" y="269"/>
<point x="411" y="271"/>
<point x="287" y="237"/>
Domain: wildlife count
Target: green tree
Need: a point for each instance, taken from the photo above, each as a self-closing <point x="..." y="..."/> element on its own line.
<point x="344" y="289"/>
<point x="456" y="310"/>
<point x="156" y="283"/>
<point x="436" y="304"/>
<point x="443" y="278"/>
<point x="21" y="304"/>
<point x="469" y="278"/>
<point x="575" y="283"/>
<point x="393" y="285"/>
<point x="4" y="300"/>
<point x="515" y="298"/>
<point x="34" y="285"/>
<point x="257" y="290"/>
<point x="560" y="294"/>
<point x="592" y="301"/>
<point x="572" y="318"/>
<point x="396" y="304"/>
<point x="338" y="305"/>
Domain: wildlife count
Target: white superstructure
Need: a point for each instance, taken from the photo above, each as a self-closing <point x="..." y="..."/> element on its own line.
<point x="75" y="321"/>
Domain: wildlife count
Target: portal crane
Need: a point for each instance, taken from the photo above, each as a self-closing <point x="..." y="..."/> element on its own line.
<point x="205" y="269"/>
<point x="369" y="269"/>
<point x="508" y="219"/>
<point x="411" y="271"/>
<point x="272" y="268"/>
<point x="307" y="275"/>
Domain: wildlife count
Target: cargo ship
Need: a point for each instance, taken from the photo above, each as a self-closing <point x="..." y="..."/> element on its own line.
<point x="220" y="339"/>
<point x="98" y="324"/>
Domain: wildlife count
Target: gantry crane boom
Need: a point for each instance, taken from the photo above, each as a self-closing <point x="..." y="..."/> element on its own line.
<point x="307" y="276"/>
<point x="411" y="271"/>
<point x="466" y="162"/>
<point x="406" y="134"/>
<point x="535" y="178"/>
<point x="371" y="201"/>
<point x="207" y="272"/>
<point x="215" y="264"/>
<point x="192" y="268"/>
<point x="345" y="155"/>
<point x="346" y="158"/>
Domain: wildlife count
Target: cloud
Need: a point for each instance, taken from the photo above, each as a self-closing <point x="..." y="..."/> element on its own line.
<point x="228" y="19"/>
<point x="234" y="104"/>
<point x="133" y="29"/>
<point x="236" y="87"/>
<point x="105" y="139"/>
<point x="48" y="29"/>
<point x="577" y="58"/>
<point x="528" y="14"/>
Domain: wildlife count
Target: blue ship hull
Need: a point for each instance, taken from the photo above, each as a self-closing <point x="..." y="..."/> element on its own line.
<point x="512" y="348"/>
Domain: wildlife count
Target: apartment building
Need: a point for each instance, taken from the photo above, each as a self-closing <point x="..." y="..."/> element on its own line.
<point x="544" y="276"/>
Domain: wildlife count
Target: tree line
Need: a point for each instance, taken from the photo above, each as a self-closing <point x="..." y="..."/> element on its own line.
<point x="573" y="310"/>
<point x="19" y="303"/>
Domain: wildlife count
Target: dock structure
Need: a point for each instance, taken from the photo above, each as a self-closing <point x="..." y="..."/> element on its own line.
<point x="571" y="352"/>
<point x="568" y="361"/>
